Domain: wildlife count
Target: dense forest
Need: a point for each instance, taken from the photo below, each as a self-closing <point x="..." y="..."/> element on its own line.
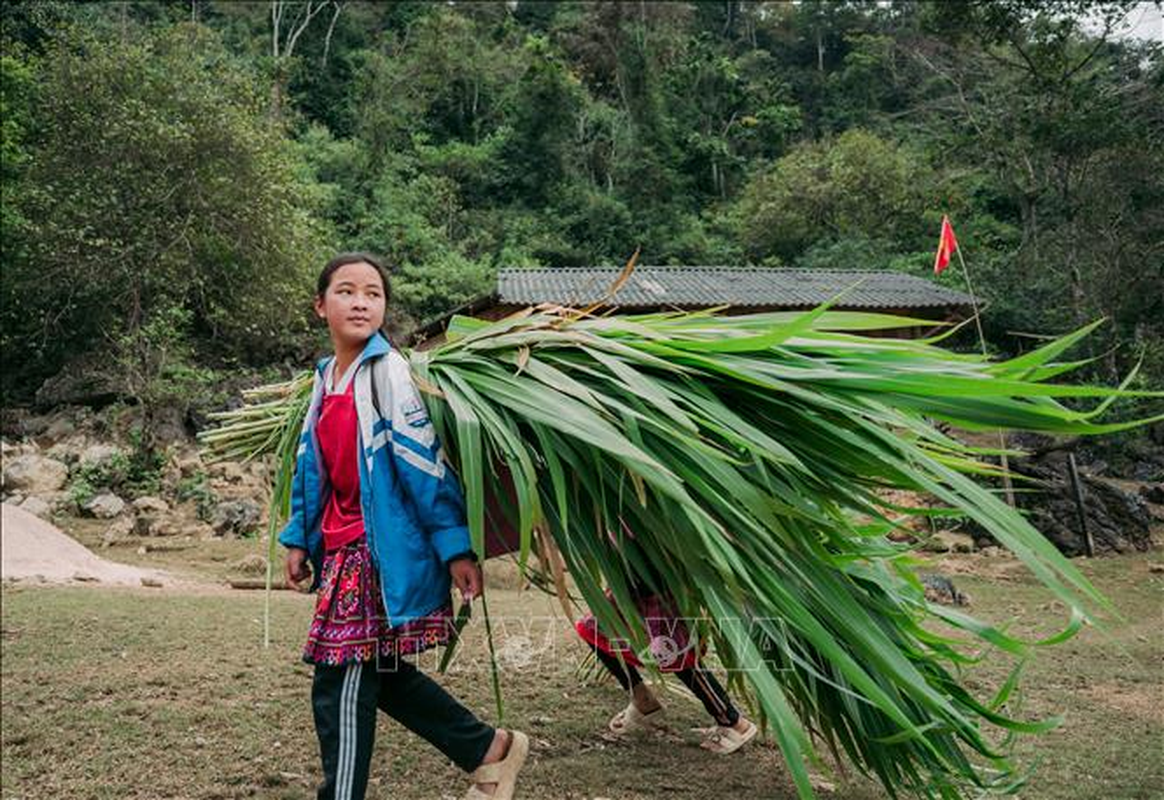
<point x="175" y="173"/>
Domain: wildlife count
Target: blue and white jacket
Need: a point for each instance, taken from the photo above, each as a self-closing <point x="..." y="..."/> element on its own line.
<point x="414" y="511"/>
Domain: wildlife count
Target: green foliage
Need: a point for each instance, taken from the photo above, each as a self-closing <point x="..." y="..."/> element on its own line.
<point x="196" y="488"/>
<point x="738" y="461"/>
<point x="860" y="185"/>
<point x="157" y="185"/>
<point x="145" y="168"/>
<point x="132" y="475"/>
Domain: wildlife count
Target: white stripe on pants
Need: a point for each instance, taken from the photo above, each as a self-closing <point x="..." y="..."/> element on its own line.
<point x="346" y="766"/>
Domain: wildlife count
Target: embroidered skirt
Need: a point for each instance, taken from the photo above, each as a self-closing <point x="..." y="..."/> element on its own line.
<point x="349" y="622"/>
<point x="670" y="644"/>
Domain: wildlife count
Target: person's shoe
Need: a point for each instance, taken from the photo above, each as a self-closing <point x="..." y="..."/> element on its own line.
<point x="503" y="773"/>
<point x="723" y="740"/>
<point x="630" y="719"/>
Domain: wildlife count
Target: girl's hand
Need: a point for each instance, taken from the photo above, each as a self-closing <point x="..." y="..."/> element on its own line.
<point x="297" y="568"/>
<point x="466" y="575"/>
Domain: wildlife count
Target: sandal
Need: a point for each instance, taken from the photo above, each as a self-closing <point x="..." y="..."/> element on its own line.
<point x="630" y="719"/>
<point x="503" y="773"/>
<point x="723" y="740"/>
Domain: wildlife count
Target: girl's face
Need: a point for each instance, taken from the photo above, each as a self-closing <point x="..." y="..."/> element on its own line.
<point x="353" y="304"/>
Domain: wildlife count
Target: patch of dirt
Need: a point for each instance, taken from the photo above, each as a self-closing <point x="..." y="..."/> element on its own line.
<point x="1002" y="567"/>
<point x="34" y="550"/>
<point x="1142" y="702"/>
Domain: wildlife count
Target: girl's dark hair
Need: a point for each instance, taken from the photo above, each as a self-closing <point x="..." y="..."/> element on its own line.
<point x="343" y="259"/>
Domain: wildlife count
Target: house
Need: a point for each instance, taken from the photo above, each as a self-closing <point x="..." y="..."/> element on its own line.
<point x="743" y="290"/>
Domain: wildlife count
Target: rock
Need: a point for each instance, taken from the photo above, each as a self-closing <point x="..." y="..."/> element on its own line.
<point x="1156" y="567"/>
<point x="21" y="423"/>
<point x="169" y="424"/>
<point x="991" y="551"/>
<point x="120" y="529"/>
<point x="87" y="381"/>
<point x="1153" y="493"/>
<point x="228" y="472"/>
<point x="104" y="506"/>
<point x="149" y="504"/>
<point x="253" y="564"/>
<point x="1119" y="521"/>
<point x="37" y="507"/>
<point x="69" y="450"/>
<point x="190" y="465"/>
<point x="949" y="542"/>
<point x="62" y="502"/>
<point x="100" y="455"/>
<point x="197" y="530"/>
<point x="940" y="589"/>
<point x="159" y="526"/>
<point x="236" y="517"/>
<point x="59" y="428"/>
<point x="34" y="474"/>
<point x="152" y="583"/>
<point x="150" y="511"/>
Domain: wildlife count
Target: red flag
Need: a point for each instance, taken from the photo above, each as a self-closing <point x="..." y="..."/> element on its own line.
<point x="947" y="244"/>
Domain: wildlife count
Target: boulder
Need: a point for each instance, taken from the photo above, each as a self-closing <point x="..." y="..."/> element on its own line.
<point x="62" y="502"/>
<point x="940" y="589"/>
<point x="88" y="381"/>
<point x="228" y="472"/>
<point x="150" y="512"/>
<point x="160" y="526"/>
<point x="60" y="428"/>
<point x="169" y="425"/>
<point x="118" y="530"/>
<point x="949" y="542"/>
<point x="150" y="505"/>
<point x="69" y="449"/>
<point x="100" y="455"/>
<point x="34" y="474"/>
<point x="37" y="507"/>
<point x="104" y="506"/>
<point x="1119" y="521"/>
<point x="189" y="464"/>
<point x="236" y="517"/>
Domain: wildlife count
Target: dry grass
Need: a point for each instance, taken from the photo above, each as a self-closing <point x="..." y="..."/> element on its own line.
<point x="159" y="694"/>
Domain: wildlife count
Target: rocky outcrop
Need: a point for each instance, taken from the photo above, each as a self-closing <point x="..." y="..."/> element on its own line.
<point x="104" y="506"/>
<point x="30" y="473"/>
<point x="1118" y="520"/>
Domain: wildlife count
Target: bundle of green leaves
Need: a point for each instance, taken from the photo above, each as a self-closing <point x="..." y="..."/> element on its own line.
<point x="738" y="463"/>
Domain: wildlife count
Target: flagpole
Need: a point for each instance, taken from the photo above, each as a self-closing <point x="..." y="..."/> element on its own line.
<point x="1007" y="487"/>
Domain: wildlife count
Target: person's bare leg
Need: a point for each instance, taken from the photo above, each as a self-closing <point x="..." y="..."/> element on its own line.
<point x="644" y="699"/>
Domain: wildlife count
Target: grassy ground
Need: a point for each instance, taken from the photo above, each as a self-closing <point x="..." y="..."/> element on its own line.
<point x="141" y="693"/>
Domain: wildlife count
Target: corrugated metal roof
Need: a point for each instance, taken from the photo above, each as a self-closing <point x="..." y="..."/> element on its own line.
<point x="686" y="287"/>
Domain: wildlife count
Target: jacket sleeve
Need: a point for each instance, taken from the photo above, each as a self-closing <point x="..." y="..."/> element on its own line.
<point x="423" y="475"/>
<point x="294" y="533"/>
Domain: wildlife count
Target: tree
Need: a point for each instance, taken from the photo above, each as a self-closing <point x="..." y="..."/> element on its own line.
<point x="157" y="184"/>
<point x="858" y="184"/>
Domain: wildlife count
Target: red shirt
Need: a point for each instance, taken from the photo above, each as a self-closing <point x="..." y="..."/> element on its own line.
<point x="343" y="520"/>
